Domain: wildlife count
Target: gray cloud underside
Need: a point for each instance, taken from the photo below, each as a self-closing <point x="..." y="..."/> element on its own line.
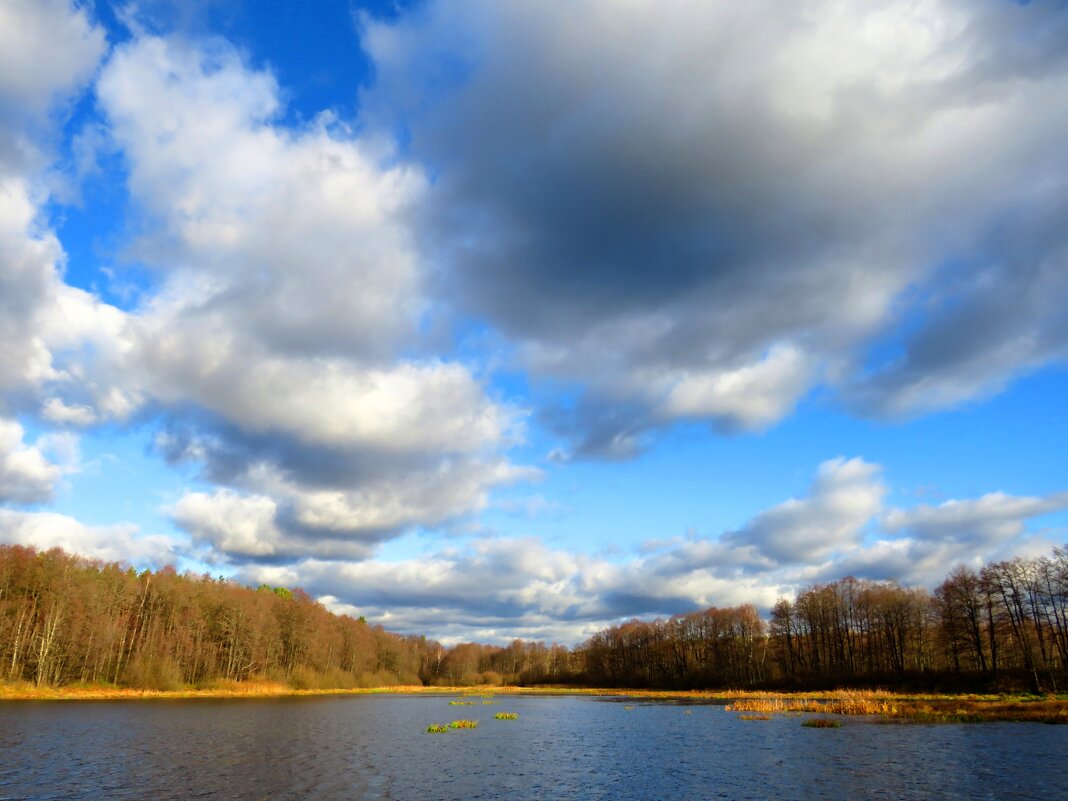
<point x="652" y="202"/>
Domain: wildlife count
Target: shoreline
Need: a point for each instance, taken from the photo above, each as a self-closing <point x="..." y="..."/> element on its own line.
<point x="924" y="708"/>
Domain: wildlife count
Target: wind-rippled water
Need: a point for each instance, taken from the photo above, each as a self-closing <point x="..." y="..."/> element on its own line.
<point x="375" y="747"/>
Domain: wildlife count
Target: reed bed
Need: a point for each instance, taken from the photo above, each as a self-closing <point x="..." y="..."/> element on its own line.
<point x="845" y="703"/>
<point x="931" y="709"/>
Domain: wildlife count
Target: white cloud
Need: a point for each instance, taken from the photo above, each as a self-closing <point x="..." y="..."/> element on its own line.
<point x="56" y="411"/>
<point x="989" y="520"/>
<point x="290" y="238"/>
<point x="117" y="543"/>
<point x="845" y="496"/>
<point x="26" y="476"/>
<point x="47" y="49"/>
<point x="292" y="521"/>
<point x="242" y="526"/>
<point x="287" y="290"/>
<point x="752" y="396"/>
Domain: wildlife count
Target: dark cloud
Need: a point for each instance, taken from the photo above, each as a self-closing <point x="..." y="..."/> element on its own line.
<point x="641" y="215"/>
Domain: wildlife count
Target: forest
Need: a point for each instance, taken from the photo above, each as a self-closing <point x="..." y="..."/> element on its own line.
<point x="66" y="619"/>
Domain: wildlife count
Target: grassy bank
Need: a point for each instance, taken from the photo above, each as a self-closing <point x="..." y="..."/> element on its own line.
<point x="920" y="708"/>
<point x="898" y="706"/>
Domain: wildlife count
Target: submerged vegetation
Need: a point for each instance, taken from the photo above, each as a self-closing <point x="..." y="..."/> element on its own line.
<point x="822" y="723"/>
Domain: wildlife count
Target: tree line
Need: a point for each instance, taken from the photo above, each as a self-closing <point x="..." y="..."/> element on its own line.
<point x="65" y="619"/>
<point x="1003" y="626"/>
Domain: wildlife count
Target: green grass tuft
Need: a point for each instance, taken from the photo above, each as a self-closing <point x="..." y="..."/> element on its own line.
<point x="464" y="724"/>
<point x="437" y="728"/>
<point x="506" y="716"/>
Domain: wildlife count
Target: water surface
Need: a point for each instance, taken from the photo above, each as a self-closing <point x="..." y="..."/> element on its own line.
<point x="375" y="747"/>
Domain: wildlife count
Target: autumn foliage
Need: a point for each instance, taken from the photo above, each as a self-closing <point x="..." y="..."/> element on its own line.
<point x="66" y="620"/>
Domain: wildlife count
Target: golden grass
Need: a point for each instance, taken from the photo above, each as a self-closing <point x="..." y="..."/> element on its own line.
<point x="925" y="708"/>
<point x="754" y="717"/>
<point x="25" y="691"/>
<point x="920" y="707"/>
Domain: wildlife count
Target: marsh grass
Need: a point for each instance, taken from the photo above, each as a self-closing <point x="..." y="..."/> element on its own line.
<point x="461" y="703"/>
<point x="754" y="717"/>
<point x="437" y="728"/>
<point x="923" y="708"/>
<point x="506" y="716"/>
<point x="928" y="708"/>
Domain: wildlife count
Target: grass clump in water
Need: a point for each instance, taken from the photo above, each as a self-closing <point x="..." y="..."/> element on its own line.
<point x="461" y="703"/>
<point x="437" y="728"/>
<point x="506" y="716"/>
<point x="822" y="723"/>
<point x="464" y="724"/>
<point x="754" y="717"/>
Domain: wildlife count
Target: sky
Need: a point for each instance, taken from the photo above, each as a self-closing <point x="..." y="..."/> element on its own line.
<point x="489" y="319"/>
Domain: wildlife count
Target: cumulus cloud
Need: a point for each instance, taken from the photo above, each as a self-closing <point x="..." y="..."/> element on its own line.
<point x="345" y="520"/>
<point x="990" y="519"/>
<point x="54" y="334"/>
<point x="122" y="542"/>
<point x="288" y="295"/>
<point x="705" y="212"/>
<point x="26" y="475"/>
<point x="844" y="497"/>
<point x="292" y="238"/>
<point x="47" y="49"/>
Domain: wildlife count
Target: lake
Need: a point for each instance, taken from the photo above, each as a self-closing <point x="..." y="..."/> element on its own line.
<point x="375" y="747"/>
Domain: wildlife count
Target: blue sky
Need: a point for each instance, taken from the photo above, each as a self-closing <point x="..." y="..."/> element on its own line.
<point x="495" y="319"/>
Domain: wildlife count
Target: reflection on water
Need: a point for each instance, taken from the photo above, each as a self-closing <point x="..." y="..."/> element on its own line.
<point x="374" y="747"/>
